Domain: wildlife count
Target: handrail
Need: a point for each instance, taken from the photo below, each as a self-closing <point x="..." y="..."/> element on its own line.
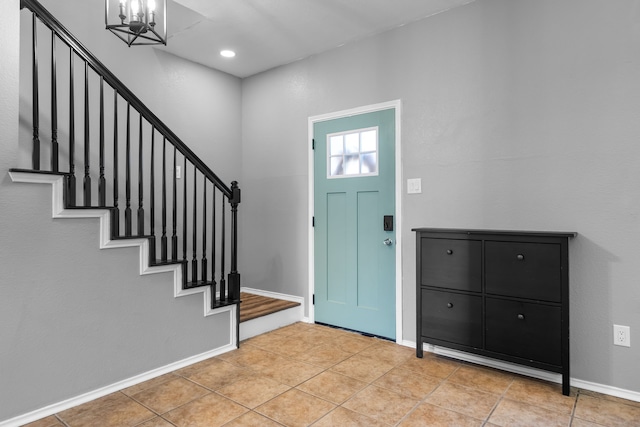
<point x="50" y="21"/>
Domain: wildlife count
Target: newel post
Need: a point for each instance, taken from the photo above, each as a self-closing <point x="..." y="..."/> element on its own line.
<point x="234" y="276"/>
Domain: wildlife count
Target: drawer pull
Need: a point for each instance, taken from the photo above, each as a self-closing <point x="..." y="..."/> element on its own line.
<point x="520" y="257"/>
<point x="521" y="316"/>
<point x="449" y="305"/>
<point x="449" y="252"/>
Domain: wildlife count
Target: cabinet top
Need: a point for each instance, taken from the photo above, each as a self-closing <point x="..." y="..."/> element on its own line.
<point x="568" y="234"/>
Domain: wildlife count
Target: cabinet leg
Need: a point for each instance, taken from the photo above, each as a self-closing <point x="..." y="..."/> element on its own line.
<point x="566" y="386"/>
<point x="419" y="351"/>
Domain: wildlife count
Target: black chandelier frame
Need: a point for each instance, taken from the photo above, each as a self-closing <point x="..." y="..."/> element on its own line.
<point x="135" y="33"/>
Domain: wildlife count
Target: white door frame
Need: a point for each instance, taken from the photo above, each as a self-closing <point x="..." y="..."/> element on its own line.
<point x="396" y="104"/>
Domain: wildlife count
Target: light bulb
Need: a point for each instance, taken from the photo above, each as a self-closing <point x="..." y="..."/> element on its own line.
<point x="123" y="8"/>
<point x="135" y="7"/>
<point x="151" y="5"/>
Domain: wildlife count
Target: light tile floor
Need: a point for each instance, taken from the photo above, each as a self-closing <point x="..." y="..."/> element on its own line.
<point x="304" y="374"/>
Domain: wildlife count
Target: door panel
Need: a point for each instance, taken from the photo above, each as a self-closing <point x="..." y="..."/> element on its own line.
<point x="354" y="269"/>
<point x="336" y="282"/>
<point x="368" y="250"/>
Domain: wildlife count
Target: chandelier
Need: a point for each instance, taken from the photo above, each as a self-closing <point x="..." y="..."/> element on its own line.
<point x="136" y="22"/>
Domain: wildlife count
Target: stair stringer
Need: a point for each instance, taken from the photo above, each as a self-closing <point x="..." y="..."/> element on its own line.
<point x="106" y="242"/>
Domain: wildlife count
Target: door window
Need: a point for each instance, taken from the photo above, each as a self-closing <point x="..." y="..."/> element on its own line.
<point x="353" y="153"/>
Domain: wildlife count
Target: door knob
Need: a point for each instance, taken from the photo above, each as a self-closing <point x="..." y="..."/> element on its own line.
<point x="387" y="242"/>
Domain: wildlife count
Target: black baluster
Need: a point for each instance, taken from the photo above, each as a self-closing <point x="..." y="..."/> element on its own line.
<point x="152" y="199"/>
<point x="204" y="228"/>
<point x="163" y="239"/>
<point x="127" y="210"/>
<point x="174" y="237"/>
<point x="140" y="183"/>
<point x="184" y="213"/>
<point x="234" y="276"/>
<point x="87" y="178"/>
<point x="115" y="224"/>
<point x="194" y="261"/>
<point x="54" y="107"/>
<point x="213" y="249"/>
<point x="35" y="158"/>
<point x="71" y="178"/>
<point x="102" y="184"/>
<point x="223" y="282"/>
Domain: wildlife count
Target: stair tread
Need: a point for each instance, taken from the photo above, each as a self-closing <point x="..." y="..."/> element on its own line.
<point x="37" y="171"/>
<point x="89" y="207"/>
<point x="166" y="262"/>
<point x="220" y="304"/>
<point x="198" y="284"/>
<point x="145" y="236"/>
<point x="253" y="306"/>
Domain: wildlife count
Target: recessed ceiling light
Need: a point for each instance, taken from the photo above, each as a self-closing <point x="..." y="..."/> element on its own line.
<point x="227" y="53"/>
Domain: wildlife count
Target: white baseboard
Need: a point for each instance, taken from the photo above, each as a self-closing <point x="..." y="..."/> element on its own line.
<point x="526" y="371"/>
<point x="606" y="389"/>
<point x="261" y="325"/>
<point x="120" y="385"/>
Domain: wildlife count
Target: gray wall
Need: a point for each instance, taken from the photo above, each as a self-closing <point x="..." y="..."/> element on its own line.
<point x="517" y="114"/>
<point x="74" y="318"/>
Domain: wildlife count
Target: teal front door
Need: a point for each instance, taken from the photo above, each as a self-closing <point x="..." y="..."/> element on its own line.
<point x="354" y="222"/>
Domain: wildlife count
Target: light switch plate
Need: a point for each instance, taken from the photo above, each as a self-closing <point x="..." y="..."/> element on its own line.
<point x="414" y="186"/>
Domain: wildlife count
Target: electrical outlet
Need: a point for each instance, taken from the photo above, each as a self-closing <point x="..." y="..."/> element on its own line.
<point x="178" y="172"/>
<point x="621" y="335"/>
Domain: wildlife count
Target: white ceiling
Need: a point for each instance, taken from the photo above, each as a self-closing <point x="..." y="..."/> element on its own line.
<point x="269" y="33"/>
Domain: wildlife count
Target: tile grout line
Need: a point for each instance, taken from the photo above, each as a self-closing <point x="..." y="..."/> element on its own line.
<point x="500" y="399"/>
<point x="161" y="415"/>
<point x="367" y="383"/>
<point x="424" y="399"/>
<point x="288" y="358"/>
<point x="328" y="369"/>
<point x="575" y="405"/>
<point x="61" y="420"/>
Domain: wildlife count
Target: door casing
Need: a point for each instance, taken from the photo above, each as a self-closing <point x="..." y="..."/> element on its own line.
<point x="396" y="105"/>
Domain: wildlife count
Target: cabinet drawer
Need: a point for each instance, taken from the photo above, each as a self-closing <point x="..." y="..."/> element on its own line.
<point x="451" y="263"/>
<point x="452" y="317"/>
<point x="529" y="331"/>
<point x="521" y="269"/>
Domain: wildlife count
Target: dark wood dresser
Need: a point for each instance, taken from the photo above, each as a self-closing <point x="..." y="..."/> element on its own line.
<point x="499" y="294"/>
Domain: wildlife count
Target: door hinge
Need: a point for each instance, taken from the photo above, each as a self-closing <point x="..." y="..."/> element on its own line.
<point x="313" y="221"/>
<point x="313" y="144"/>
<point x="313" y="298"/>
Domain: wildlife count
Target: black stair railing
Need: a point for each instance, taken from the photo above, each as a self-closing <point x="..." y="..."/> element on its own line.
<point x="199" y="206"/>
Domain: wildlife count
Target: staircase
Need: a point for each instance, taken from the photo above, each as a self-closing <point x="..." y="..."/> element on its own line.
<point x="112" y="158"/>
